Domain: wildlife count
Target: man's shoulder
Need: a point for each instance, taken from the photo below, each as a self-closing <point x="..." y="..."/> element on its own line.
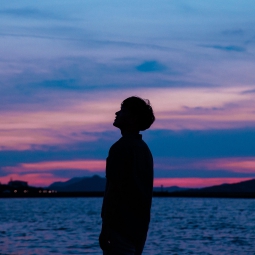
<point x="119" y="145"/>
<point x="129" y="143"/>
<point x="142" y="148"/>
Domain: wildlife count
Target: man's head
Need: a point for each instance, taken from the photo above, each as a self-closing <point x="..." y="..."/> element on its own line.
<point x="135" y="114"/>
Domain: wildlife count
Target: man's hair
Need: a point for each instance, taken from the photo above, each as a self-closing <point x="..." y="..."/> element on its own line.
<point x="141" y="109"/>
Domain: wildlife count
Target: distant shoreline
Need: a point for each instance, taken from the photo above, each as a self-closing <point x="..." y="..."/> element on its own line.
<point x="193" y="194"/>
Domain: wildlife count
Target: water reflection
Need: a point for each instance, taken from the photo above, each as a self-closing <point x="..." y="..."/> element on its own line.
<point x="179" y="226"/>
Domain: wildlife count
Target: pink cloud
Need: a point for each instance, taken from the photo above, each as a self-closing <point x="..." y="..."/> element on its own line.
<point x="45" y="179"/>
<point x="91" y="165"/>
<point x="39" y="174"/>
<point x="44" y="170"/>
<point x="175" y="109"/>
<point x="238" y="164"/>
<point x="33" y="179"/>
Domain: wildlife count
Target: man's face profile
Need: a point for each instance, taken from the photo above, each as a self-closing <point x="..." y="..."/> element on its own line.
<point x="123" y="118"/>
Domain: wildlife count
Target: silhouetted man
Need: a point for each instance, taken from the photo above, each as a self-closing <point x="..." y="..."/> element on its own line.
<point x="129" y="172"/>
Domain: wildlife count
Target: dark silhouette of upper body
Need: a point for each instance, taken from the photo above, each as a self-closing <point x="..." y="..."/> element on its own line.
<point x="129" y="172"/>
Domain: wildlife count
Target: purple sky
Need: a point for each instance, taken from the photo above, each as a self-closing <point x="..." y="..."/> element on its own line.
<point x="66" y="66"/>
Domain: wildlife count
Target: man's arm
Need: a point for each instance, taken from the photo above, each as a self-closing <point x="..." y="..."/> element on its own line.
<point x="118" y="163"/>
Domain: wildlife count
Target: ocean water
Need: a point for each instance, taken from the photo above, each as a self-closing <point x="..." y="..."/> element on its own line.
<point x="178" y="226"/>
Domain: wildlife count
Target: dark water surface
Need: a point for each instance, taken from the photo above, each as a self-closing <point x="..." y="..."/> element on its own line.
<point x="178" y="226"/>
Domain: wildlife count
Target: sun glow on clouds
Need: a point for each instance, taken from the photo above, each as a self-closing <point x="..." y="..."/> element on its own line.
<point x="175" y="109"/>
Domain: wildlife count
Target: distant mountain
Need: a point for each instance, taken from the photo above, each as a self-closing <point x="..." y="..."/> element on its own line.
<point x="240" y="187"/>
<point x="169" y="189"/>
<point x="80" y="184"/>
<point x="64" y="184"/>
<point x="97" y="183"/>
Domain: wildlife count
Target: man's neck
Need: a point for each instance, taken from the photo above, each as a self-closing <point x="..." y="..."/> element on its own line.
<point x="129" y="132"/>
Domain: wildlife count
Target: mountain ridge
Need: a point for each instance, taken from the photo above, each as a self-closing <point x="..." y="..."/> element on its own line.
<point x="80" y="184"/>
<point x="240" y="187"/>
<point x="96" y="183"/>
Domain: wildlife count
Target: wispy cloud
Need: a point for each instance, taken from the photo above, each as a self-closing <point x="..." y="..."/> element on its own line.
<point x="206" y="143"/>
<point x="29" y="13"/>
<point x="238" y="165"/>
<point x="227" y="48"/>
<point x="212" y="167"/>
<point x="151" y="66"/>
<point x="234" y="32"/>
<point x="73" y="116"/>
<point x="90" y="165"/>
<point x="251" y="91"/>
<point x="44" y="173"/>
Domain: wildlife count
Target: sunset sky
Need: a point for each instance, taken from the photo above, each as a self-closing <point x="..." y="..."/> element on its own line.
<point x="66" y="66"/>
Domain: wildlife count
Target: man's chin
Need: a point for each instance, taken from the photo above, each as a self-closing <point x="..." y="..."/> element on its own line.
<point x="115" y="124"/>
